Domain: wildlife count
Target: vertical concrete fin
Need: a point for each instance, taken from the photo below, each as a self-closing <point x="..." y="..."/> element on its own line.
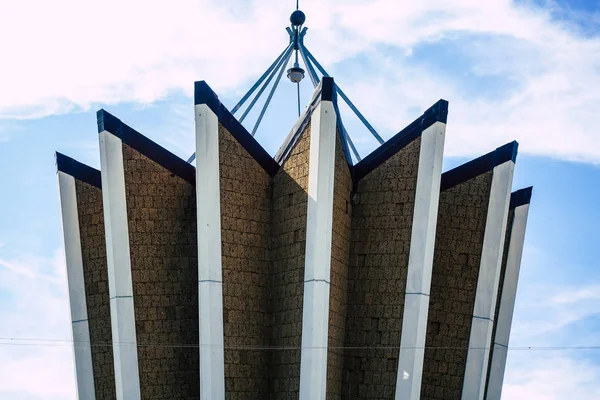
<point x="82" y="350"/>
<point x="317" y="270"/>
<point x="507" y="302"/>
<point x="420" y="264"/>
<point x="210" y="277"/>
<point x="119" y="267"/>
<point x="488" y="282"/>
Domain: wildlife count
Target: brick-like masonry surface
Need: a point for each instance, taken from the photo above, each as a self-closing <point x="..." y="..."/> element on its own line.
<point x="340" y="253"/>
<point x="245" y="215"/>
<point x="161" y="209"/>
<point x="382" y="217"/>
<point x="458" y="244"/>
<point x="95" y="275"/>
<point x="509" y="224"/>
<point x="288" y="245"/>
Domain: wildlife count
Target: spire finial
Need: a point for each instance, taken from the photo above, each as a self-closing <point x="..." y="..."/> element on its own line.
<point x="297" y="18"/>
<point x="296" y="74"/>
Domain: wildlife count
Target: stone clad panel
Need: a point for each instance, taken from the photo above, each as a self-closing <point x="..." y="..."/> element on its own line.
<point x="245" y="223"/>
<point x="340" y="254"/>
<point x="288" y="245"/>
<point x="161" y="209"/>
<point x="459" y="241"/>
<point x="95" y="274"/>
<point x="382" y="213"/>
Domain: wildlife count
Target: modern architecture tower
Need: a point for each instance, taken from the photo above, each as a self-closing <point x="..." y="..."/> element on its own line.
<point x="314" y="273"/>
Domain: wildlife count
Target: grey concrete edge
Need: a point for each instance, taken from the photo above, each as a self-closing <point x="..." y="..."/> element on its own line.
<point x="120" y="283"/>
<point x="210" y="277"/>
<point x="82" y="349"/>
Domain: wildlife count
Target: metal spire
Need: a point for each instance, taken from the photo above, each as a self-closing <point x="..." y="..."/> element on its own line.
<point x="296" y="74"/>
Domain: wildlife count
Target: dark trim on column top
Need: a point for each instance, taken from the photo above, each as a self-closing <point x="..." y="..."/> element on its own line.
<point x="155" y="152"/>
<point x="78" y="170"/>
<point x="520" y="197"/>
<point x="436" y="113"/>
<point x="327" y="88"/>
<point x="478" y="166"/>
<point x="203" y="94"/>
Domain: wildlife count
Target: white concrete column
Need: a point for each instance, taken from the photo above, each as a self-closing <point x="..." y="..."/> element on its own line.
<point x="420" y="264"/>
<point x="210" y="276"/>
<point x="317" y="268"/>
<point x="507" y="302"/>
<point x="487" y="284"/>
<point x="120" y="285"/>
<point x="80" y="329"/>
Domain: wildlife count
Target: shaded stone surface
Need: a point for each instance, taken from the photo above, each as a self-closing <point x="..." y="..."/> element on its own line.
<point x="161" y="209"/>
<point x="340" y="254"/>
<point x="458" y="245"/>
<point x="288" y="245"/>
<point x="95" y="275"/>
<point x="381" y="229"/>
<point x="245" y="190"/>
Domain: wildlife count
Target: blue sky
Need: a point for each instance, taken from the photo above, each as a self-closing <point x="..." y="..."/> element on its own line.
<point x="525" y="70"/>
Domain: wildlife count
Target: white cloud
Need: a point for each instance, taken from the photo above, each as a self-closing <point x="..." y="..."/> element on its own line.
<point x="557" y="316"/>
<point x="34" y="305"/>
<point x="550" y="376"/>
<point x="66" y="54"/>
<point x="542" y="311"/>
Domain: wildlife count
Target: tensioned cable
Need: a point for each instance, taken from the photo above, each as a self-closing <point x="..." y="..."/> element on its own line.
<point x="260" y="80"/>
<point x="262" y="113"/>
<point x="280" y="64"/>
<point x="65" y="343"/>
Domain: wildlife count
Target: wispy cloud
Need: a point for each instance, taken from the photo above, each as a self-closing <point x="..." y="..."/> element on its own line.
<point x="544" y="310"/>
<point x="35" y="306"/>
<point x="550" y="376"/>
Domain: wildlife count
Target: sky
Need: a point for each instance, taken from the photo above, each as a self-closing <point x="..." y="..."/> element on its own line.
<point x="511" y="70"/>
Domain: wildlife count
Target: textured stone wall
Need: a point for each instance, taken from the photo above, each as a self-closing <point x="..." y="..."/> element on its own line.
<point x="288" y="245"/>
<point x="340" y="253"/>
<point x="509" y="224"/>
<point x="458" y="245"/>
<point x="161" y="210"/>
<point x="381" y="230"/>
<point x="245" y="217"/>
<point x="95" y="275"/>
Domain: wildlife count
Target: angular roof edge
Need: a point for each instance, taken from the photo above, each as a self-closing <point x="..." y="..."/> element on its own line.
<point x="203" y="94"/>
<point x="155" y="152"/>
<point x="323" y="91"/>
<point x="78" y="170"/>
<point x="478" y="166"/>
<point x="436" y="113"/>
<point x="520" y="197"/>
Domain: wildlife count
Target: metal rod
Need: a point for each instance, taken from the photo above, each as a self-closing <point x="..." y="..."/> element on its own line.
<point x="314" y="77"/>
<point x="346" y="140"/>
<point x="311" y="71"/>
<point x="262" y="113"/>
<point x="257" y="84"/>
<point x="359" y="115"/>
<point x="346" y="99"/>
<point x="298" y="84"/>
<point x="283" y="61"/>
<point x="358" y="158"/>
<point x="272" y="69"/>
